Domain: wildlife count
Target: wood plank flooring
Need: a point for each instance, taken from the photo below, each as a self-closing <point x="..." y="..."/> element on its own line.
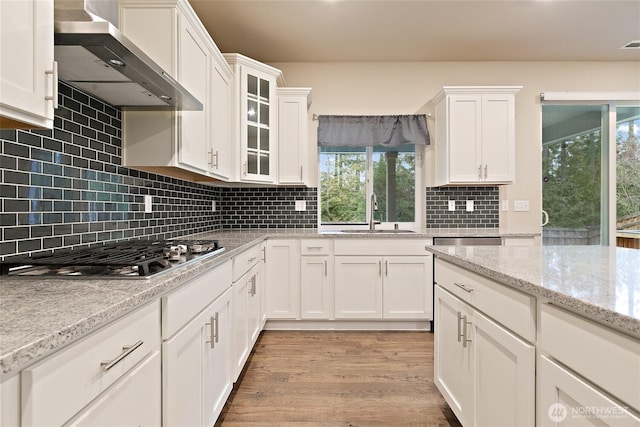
<point x="355" y="379"/>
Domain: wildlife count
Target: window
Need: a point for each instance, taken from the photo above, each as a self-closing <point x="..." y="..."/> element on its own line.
<point x="590" y="165"/>
<point x="350" y="176"/>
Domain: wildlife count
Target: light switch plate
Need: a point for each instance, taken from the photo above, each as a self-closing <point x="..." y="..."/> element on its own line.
<point x="452" y="205"/>
<point x="148" y="203"/>
<point x="469" y="205"/>
<point x="521" y="206"/>
<point x="301" y="205"/>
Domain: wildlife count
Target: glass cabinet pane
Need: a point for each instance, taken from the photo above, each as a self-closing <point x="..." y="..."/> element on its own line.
<point x="264" y="164"/>
<point x="252" y="137"/>
<point x="252" y="163"/>
<point x="264" y="89"/>
<point x="252" y="111"/>
<point x="264" y="139"/>
<point x="264" y="114"/>
<point x="252" y="85"/>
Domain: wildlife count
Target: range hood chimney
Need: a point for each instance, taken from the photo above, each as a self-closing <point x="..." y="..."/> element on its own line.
<point x="94" y="56"/>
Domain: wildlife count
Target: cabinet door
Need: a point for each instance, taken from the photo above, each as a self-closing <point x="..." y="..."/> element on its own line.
<point x="408" y="287"/>
<point x="564" y="399"/>
<point x="134" y="401"/>
<point x="316" y="287"/>
<point x="240" y="324"/>
<point x="187" y="359"/>
<point x="27" y="76"/>
<point x="452" y="361"/>
<point x="254" y="294"/>
<point x="358" y="287"/>
<point x="217" y="383"/>
<point x="503" y="375"/>
<point x="257" y="133"/>
<point x="498" y="138"/>
<point x="220" y="150"/>
<point x="292" y="138"/>
<point x="283" y="279"/>
<point x="464" y="121"/>
<point x="194" y="63"/>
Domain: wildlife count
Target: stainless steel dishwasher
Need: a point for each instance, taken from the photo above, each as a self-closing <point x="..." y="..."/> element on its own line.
<point x="460" y="241"/>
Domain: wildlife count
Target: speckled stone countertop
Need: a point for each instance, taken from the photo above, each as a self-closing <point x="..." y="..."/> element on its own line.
<point x="38" y="316"/>
<point x="600" y="283"/>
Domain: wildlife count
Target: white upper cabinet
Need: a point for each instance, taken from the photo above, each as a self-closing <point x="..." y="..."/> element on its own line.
<point x="293" y="134"/>
<point x="254" y="119"/>
<point x="189" y="144"/>
<point x="28" y="73"/>
<point x="475" y="135"/>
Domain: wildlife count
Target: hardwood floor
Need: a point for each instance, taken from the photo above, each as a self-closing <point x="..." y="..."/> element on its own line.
<point x="357" y="379"/>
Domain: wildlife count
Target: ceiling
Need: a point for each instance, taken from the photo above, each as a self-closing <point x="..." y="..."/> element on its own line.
<point x="424" y="30"/>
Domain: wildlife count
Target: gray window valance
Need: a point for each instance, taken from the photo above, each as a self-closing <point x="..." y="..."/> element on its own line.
<point x="367" y="131"/>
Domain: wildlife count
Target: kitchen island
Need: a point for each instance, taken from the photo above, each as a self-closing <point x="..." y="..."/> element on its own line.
<point x="538" y="335"/>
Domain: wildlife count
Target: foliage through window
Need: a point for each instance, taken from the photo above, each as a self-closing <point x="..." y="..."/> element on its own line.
<point x="349" y="176"/>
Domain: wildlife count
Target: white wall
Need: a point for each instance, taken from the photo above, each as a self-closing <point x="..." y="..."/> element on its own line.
<point x="405" y="88"/>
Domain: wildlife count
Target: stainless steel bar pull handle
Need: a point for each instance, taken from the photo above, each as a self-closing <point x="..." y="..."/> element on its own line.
<point x="459" y="326"/>
<point x="379" y="268"/>
<point x="485" y="171"/>
<point x="250" y="260"/>
<point x="213" y="332"/>
<point x="386" y="268"/>
<point x="325" y="267"/>
<point x="54" y="85"/>
<point x="480" y="171"/>
<point x="463" y="287"/>
<point x="465" y="330"/>
<point x="126" y="350"/>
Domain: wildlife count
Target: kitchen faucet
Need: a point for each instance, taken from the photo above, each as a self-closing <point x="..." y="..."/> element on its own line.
<point x="374" y="207"/>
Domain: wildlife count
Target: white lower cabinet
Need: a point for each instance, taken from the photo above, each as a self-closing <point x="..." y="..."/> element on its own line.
<point x="247" y="315"/>
<point x="133" y="401"/>
<point x="588" y="374"/>
<point x="565" y="399"/>
<point x="358" y="287"/>
<point x="98" y="380"/>
<point x="316" y="287"/>
<point x="393" y="287"/>
<point x="196" y="371"/>
<point x="485" y="372"/>
<point x="283" y="279"/>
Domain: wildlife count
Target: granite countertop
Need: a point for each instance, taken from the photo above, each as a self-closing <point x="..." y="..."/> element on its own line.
<point x="38" y="316"/>
<point x="600" y="283"/>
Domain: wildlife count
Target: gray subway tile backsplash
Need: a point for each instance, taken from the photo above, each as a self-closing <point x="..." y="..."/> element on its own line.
<point x="66" y="187"/>
<point x="485" y="210"/>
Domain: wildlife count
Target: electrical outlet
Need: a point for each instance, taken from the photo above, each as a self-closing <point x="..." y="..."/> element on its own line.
<point x="505" y="206"/>
<point x="521" y="206"/>
<point x="469" y="205"/>
<point x="148" y="203"/>
<point x="301" y="205"/>
<point x="213" y="206"/>
<point x="452" y="205"/>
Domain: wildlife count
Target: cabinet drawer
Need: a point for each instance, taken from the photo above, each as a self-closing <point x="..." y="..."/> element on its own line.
<point x="185" y="303"/>
<point x="244" y="261"/>
<point x="366" y="246"/>
<point x="605" y="357"/>
<point x="57" y="388"/>
<point x="514" y="309"/>
<point x="315" y="247"/>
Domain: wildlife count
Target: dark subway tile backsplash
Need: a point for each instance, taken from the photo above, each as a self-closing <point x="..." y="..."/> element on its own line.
<point x="66" y="187"/>
<point x="485" y="210"/>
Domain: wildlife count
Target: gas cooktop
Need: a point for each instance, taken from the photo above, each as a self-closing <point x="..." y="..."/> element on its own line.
<point x="130" y="259"/>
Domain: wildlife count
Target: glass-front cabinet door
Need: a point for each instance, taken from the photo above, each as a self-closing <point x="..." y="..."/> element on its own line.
<point x="258" y="130"/>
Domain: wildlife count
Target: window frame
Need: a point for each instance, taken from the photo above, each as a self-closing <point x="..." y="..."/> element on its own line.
<point x="419" y="198"/>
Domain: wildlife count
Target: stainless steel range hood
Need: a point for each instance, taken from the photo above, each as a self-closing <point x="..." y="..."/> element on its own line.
<point x="93" y="55"/>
